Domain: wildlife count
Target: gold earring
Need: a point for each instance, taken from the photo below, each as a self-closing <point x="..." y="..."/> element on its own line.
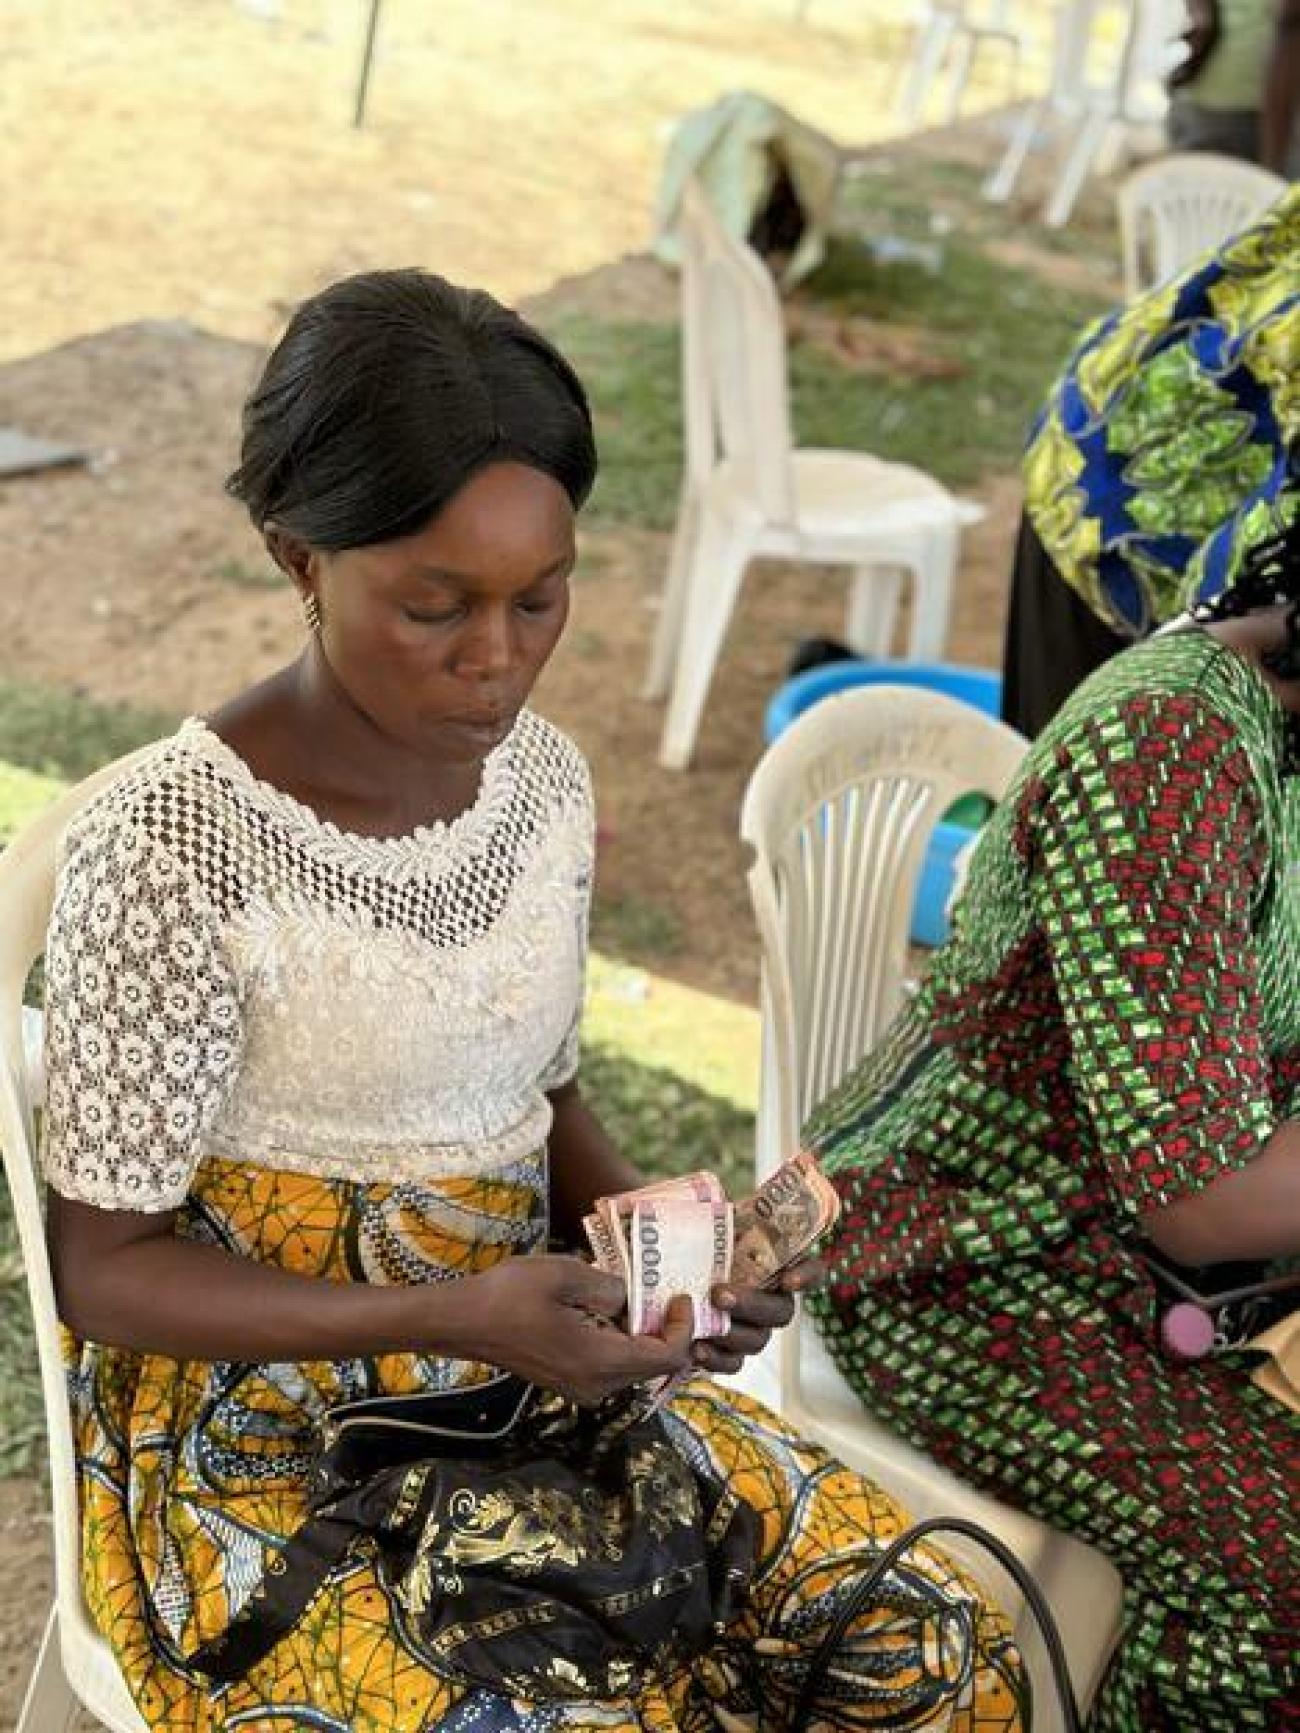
<point x="311" y="612"/>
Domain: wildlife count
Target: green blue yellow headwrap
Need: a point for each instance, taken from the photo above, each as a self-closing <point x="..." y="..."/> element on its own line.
<point x="1169" y="445"/>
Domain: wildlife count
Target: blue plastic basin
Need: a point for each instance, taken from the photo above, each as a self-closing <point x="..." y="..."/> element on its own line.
<point x="977" y="687"/>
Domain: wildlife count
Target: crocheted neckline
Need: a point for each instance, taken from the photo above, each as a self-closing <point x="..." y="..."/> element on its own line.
<point x="442" y="836"/>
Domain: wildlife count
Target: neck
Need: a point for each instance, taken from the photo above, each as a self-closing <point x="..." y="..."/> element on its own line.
<point x="361" y="764"/>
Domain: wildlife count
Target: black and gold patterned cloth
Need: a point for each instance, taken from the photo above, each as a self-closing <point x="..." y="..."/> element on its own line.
<point x="531" y="1546"/>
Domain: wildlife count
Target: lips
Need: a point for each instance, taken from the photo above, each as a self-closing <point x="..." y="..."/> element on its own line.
<point x="493" y="724"/>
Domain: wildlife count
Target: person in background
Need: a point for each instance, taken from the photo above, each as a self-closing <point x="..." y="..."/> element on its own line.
<point x="1104" y="1059"/>
<point x="1238" y="90"/>
<point x="1163" y="450"/>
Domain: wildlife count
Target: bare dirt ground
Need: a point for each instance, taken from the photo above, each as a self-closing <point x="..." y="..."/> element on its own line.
<point x="179" y="172"/>
<point x="192" y="156"/>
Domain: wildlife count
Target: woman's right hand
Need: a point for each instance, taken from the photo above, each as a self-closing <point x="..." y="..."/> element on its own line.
<point x="551" y="1320"/>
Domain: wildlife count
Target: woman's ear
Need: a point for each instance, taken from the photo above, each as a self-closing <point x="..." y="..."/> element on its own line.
<point x="293" y="556"/>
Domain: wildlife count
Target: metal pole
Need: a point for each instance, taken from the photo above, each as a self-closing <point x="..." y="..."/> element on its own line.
<point x="363" y="83"/>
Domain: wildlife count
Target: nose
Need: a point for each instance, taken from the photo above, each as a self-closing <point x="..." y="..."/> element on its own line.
<point x="488" y="647"/>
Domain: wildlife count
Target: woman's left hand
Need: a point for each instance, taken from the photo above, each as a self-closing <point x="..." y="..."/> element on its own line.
<point x="755" y="1313"/>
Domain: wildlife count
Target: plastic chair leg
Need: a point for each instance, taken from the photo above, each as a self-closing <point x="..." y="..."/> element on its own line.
<point x="935" y="572"/>
<point x="931" y="47"/>
<point x="722" y="551"/>
<point x="49" y="1705"/>
<point x="1000" y="184"/>
<point x="873" y="610"/>
<point x="668" y="627"/>
<point x="1114" y="149"/>
<point x="1078" y="163"/>
<point x="1013" y="71"/>
<point x="963" y="56"/>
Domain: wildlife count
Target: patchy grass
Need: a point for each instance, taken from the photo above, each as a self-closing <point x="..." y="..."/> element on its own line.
<point x="631" y="370"/>
<point x="630" y="926"/>
<point x="666" y="1124"/>
<point x="22" y="1428"/>
<point x="22" y="795"/>
<point x="22" y="1421"/>
<point x="59" y="732"/>
<point x="1009" y="329"/>
<point x="712" y="1043"/>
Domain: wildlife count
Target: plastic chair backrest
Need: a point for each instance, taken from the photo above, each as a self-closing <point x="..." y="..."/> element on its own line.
<point x="839" y="813"/>
<point x="27" y="869"/>
<point x="736" y="407"/>
<point x="1175" y="209"/>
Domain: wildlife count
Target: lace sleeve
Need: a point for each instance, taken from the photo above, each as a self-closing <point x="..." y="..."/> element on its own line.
<point x="563" y="1065"/>
<point x="142" y="1023"/>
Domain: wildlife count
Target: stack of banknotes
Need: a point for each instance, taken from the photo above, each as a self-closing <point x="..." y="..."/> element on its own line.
<point x="684" y="1236"/>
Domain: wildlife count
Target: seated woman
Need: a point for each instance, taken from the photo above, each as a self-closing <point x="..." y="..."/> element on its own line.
<point x="1159" y="456"/>
<point x="1106" y="1052"/>
<point x="313" y="986"/>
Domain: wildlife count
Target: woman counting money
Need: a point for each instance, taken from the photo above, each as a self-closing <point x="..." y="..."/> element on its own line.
<point x="314" y="976"/>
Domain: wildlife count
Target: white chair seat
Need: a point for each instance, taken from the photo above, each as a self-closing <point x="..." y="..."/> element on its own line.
<point x="1082" y="1587"/>
<point x="829" y="488"/>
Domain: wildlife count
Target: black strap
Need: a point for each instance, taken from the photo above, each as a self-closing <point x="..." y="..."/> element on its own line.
<point x="279" y="1601"/>
<point x="864" y="1591"/>
<point x="393" y="1503"/>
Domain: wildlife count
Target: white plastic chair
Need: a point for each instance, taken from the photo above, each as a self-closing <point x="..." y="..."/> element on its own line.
<point x="74" y="1665"/>
<point x="947" y="33"/>
<point x="838" y="815"/>
<point x="1092" y="111"/>
<point x="747" y="493"/>
<point x="1179" y="207"/>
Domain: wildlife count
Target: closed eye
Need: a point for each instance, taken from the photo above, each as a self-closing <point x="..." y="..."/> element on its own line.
<point x="420" y="618"/>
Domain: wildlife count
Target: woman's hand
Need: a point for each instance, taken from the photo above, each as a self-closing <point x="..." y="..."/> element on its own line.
<point x="553" y="1321"/>
<point x="755" y="1313"/>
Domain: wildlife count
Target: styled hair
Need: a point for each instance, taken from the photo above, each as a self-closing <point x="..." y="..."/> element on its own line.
<point x="1269" y="576"/>
<point x="387" y="392"/>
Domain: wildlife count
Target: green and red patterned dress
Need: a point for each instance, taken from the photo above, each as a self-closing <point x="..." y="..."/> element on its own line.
<point x="1114" y="1023"/>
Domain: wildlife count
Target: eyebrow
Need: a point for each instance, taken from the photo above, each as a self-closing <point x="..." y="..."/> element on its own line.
<point x="444" y="574"/>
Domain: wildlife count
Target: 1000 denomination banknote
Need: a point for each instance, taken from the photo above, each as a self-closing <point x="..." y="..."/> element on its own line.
<point x="783" y="1220"/>
<point x="678" y="1246"/>
<point x="681" y="1236"/>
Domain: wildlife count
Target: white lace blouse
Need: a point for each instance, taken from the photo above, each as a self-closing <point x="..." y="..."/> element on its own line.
<point x="229" y="975"/>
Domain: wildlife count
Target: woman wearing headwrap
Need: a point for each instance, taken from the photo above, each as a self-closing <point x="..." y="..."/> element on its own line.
<point x="1159" y="457"/>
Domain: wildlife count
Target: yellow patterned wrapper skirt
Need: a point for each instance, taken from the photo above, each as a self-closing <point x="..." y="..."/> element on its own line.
<point x="193" y="1474"/>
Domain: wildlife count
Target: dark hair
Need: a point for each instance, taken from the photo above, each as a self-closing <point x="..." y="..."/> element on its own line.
<point x="1269" y="575"/>
<point x="386" y="393"/>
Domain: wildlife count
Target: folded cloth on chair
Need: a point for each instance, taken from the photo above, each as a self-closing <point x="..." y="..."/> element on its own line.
<point x="741" y="150"/>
